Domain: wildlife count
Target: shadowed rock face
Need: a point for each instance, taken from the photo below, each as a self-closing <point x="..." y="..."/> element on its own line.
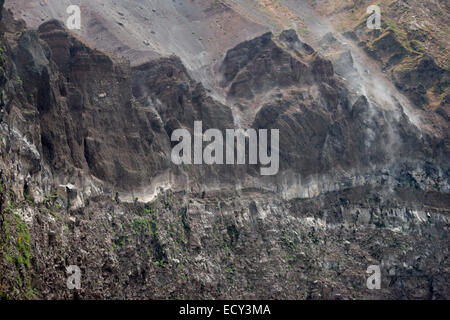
<point x="164" y="85"/>
<point x="290" y="38"/>
<point x="361" y="183"/>
<point x="87" y="113"/>
<point x="420" y="77"/>
<point x="323" y="127"/>
<point x="259" y="65"/>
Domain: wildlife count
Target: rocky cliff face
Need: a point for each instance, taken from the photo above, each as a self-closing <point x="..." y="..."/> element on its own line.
<point x="86" y="177"/>
<point x="409" y="44"/>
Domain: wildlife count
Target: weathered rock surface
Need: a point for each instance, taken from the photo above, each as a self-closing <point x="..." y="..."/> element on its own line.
<point x="86" y="177"/>
<point x="410" y="45"/>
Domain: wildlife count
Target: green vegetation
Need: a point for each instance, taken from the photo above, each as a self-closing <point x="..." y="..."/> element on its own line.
<point x="23" y="243"/>
<point x="121" y="240"/>
<point x="218" y="205"/>
<point x="149" y="210"/>
<point x="230" y="272"/>
<point x="401" y="36"/>
<point x="16" y="250"/>
<point x="142" y="225"/>
<point x="50" y="200"/>
<point x="288" y="243"/>
<point x="159" y="263"/>
<point x="304" y="31"/>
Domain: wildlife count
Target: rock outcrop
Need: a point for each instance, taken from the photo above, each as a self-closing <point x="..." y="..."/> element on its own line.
<point x="86" y="177"/>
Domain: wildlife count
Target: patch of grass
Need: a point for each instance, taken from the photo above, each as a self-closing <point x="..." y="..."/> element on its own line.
<point x="16" y="250"/>
<point x="230" y="271"/>
<point x="19" y="80"/>
<point x="122" y="240"/>
<point x="23" y="243"/>
<point x="218" y="207"/>
<point x="399" y="34"/>
<point x="288" y="243"/>
<point x="145" y="224"/>
<point x="304" y="31"/>
<point x="159" y="263"/>
<point x="408" y="64"/>
<point x="50" y="200"/>
<point x="149" y="211"/>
